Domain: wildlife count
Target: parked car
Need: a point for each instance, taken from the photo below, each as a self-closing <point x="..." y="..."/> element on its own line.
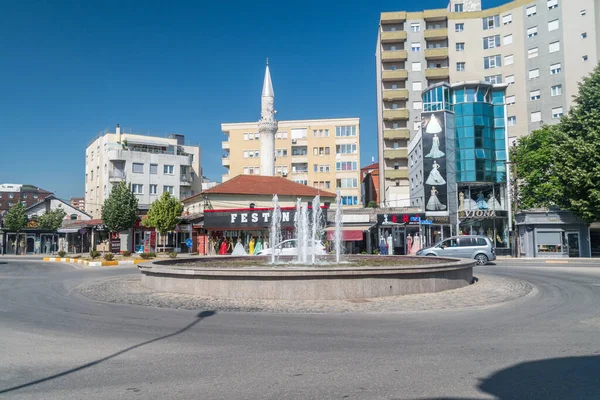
<point x="479" y="248"/>
<point x="289" y="248"/>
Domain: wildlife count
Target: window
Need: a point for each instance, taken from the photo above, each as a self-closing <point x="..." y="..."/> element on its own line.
<point x="460" y="47"/>
<point x="532" y="53"/>
<point x="136" y="168"/>
<point x="417" y="105"/>
<point x="417" y="86"/>
<point x="459" y="27"/>
<point x="534" y="95"/>
<point x="245" y="153"/>
<point x="346" y="166"/>
<point x="245" y="170"/>
<point x="531" y="32"/>
<point x="345" y="148"/>
<point x="536" y="116"/>
<point x="256" y="154"/>
<point x="460" y="66"/>
<point x="415" y="27"/>
<point x="315" y="151"/>
<point x="168" y="189"/>
<point x="507" y="19"/>
<point x="508" y="39"/>
<point x="416" y="66"/>
<point x="257" y="136"/>
<point x="491" y="22"/>
<point x="557" y="112"/>
<point x="458" y="8"/>
<point x="137" y="188"/>
<point x="327" y="184"/>
<point x="509" y="59"/>
<point x="492" y="62"/>
<point x="153" y="169"/>
<point x="554" y="47"/>
<point x="584" y="58"/>
<point x="512" y="120"/>
<point x="347" y="183"/>
<point x="341" y="131"/>
<point x="168" y="170"/>
<point x="531" y="10"/>
<point x="584" y="35"/>
<point x="510" y="79"/>
<point x="534" y="73"/>
<point x="153" y="189"/>
<point x="510" y="100"/>
<point x="415" y="46"/>
<point x="553" y="25"/>
<point x="552" y="4"/>
<point x="491" y="42"/>
<point x="494" y="79"/>
<point x="556" y="90"/>
<point x="349" y="200"/>
<point x="555" y="69"/>
<point x="582" y="12"/>
<point x="315" y="167"/>
<point x="245" y="136"/>
<point x="299" y="133"/>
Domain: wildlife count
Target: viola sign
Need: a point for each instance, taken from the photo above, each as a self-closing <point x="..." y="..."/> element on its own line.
<point x="481" y="214"/>
<point x="250" y="218"/>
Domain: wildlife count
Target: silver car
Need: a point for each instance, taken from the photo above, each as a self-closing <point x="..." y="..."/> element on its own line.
<point x="479" y="248"/>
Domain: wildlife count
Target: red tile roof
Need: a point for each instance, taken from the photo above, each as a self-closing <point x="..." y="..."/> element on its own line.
<point x="265" y="185"/>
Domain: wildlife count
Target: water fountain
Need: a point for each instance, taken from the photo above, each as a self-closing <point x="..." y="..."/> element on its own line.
<point x="275" y="231"/>
<point x="338" y="226"/>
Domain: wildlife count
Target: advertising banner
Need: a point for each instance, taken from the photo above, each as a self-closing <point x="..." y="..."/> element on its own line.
<point x="434" y="162"/>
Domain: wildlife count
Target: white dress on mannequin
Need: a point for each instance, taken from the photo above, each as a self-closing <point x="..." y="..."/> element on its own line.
<point x="493" y="204"/>
<point x="390" y="243"/>
<point x="416" y="244"/>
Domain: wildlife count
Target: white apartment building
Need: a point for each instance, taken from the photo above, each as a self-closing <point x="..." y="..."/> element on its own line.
<point x="541" y="48"/>
<point x="151" y="165"/>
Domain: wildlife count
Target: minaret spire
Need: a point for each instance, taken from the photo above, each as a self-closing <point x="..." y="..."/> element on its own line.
<point x="267" y="126"/>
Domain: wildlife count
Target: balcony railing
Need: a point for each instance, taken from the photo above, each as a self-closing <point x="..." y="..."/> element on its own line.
<point x="396" y="94"/>
<point x="392" y="37"/>
<point x="437" y="73"/>
<point x="116" y="176"/>
<point x="393" y="17"/>
<point x="395" y="153"/>
<point x="436" y="53"/>
<point x="436" y="34"/>
<point x="390" y="115"/>
<point x="399" y="74"/>
<point x="392" y="134"/>
<point x="396" y="173"/>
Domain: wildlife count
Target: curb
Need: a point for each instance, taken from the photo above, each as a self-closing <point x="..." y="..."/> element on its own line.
<point x="93" y="263"/>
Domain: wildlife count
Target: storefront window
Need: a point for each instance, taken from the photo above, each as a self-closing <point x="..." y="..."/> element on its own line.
<point x="549" y="242"/>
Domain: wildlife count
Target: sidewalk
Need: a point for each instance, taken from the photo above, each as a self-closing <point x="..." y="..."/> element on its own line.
<point x="586" y="260"/>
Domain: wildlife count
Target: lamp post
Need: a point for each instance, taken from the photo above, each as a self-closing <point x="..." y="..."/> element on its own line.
<point x="514" y="185"/>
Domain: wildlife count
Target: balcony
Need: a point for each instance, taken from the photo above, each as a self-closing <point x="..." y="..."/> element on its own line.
<point x="225" y="145"/>
<point x="436" y="34"/>
<point x="393" y="134"/>
<point x="391" y="115"/>
<point x="437" y="73"/>
<point x="399" y="74"/>
<point x="186" y="179"/>
<point x="395" y="154"/>
<point x="436" y="54"/>
<point x="115" y="176"/>
<point x="393" y="37"/>
<point x="116" y="155"/>
<point x="393" y="17"/>
<point x="441" y="14"/>
<point x="396" y="174"/>
<point x="397" y="55"/>
<point x="226" y="162"/>
<point x="396" y="94"/>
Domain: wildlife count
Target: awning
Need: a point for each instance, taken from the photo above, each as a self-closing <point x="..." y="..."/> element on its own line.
<point x="67" y="230"/>
<point x="349" y="233"/>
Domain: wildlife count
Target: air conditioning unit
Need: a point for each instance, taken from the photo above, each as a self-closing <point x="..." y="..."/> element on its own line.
<point x="294" y="141"/>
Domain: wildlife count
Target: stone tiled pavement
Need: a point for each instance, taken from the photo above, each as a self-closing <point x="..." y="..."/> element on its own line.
<point x="488" y="291"/>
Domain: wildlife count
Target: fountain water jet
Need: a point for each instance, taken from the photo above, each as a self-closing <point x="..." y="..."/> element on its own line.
<point x="337" y="239"/>
<point x="275" y="232"/>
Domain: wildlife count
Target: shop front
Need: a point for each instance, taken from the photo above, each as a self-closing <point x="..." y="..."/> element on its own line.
<point x="248" y="226"/>
<point x="490" y="223"/>
<point x="552" y="234"/>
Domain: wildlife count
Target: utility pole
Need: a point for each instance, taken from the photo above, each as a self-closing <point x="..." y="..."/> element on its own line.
<point x="515" y="200"/>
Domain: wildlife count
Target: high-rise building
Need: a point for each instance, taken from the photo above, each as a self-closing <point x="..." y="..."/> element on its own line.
<point x="11" y="194"/>
<point x="524" y="43"/>
<point x="78" y="203"/>
<point x="150" y="165"/>
<point x="322" y="153"/>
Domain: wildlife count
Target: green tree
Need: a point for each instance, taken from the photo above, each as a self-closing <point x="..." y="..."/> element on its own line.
<point x="164" y="214"/>
<point x="119" y="211"/>
<point x="372" y="204"/>
<point x="535" y="158"/>
<point x="51" y="220"/>
<point x="15" y="220"/>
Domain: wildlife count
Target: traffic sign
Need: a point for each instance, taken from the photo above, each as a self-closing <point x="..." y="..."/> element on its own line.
<point x="188" y="242"/>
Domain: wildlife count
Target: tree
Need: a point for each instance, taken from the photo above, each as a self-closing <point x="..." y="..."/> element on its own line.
<point x="119" y="211"/>
<point x="372" y="204"/>
<point x="535" y="158"/>
<point x="560" y="164"/>
<point x="51" y="220"/>
<point x="15" y="220"/>
<point x="164" y="214"/>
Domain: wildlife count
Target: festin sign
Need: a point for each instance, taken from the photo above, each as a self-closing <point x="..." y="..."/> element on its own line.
<point x="247" y="219"/>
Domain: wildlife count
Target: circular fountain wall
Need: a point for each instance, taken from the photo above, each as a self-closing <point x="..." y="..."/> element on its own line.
<point x="357" y="277"/>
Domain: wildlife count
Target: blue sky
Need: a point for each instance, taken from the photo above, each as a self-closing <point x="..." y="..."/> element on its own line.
<point x="73" y="68"/>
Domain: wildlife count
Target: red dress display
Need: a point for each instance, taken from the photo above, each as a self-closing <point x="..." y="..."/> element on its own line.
<point x="223" y="248"/>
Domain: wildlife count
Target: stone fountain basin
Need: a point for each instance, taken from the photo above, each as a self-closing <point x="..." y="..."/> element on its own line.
<point x="256" y="279"/>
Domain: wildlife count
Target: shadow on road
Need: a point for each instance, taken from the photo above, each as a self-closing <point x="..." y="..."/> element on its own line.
<point x="201" y="315"/>
<point x="553" y="379"/>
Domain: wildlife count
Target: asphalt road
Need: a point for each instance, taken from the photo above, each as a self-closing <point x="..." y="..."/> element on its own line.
<point x="55" y="344"/>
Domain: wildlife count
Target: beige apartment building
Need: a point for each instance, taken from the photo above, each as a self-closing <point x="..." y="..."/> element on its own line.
<point x="322" y="153"/>
<point x="150" y="165"/>
<point x="540" y="48"/>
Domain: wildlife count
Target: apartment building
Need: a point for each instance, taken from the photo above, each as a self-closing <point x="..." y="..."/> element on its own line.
<point x="11" y="194"/>
<point x="540" y="48"/>
<point x="322" y="153"/>
<point x="150" y="164"/>
<point x="78" y="203"/>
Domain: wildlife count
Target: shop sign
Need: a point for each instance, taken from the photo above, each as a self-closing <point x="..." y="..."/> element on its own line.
<point x="426" y="222"/>
<point x="115" y="245"/>
<point x="250" y="219"/>
<point x="406" y="219"/>
<point x="438" y="219"/>
<point x="481" y="214"/>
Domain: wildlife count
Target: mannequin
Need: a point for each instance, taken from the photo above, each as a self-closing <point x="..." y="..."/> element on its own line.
<point x="390" y="243"/>
<point x="382" y="246"/>
<point x="416" y="244"/>
<point x="259" y="245"/>
<point x="223" y="247"/>
<point x="251" y="245"/>
<point x="409" y="242"/>
<point x="239" y="249"/>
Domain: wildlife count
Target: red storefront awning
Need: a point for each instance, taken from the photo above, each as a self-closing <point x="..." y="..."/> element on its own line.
<point x="349" y="233"/>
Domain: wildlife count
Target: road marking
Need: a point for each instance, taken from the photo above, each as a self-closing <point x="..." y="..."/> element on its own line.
<point x="556" y="262"/>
